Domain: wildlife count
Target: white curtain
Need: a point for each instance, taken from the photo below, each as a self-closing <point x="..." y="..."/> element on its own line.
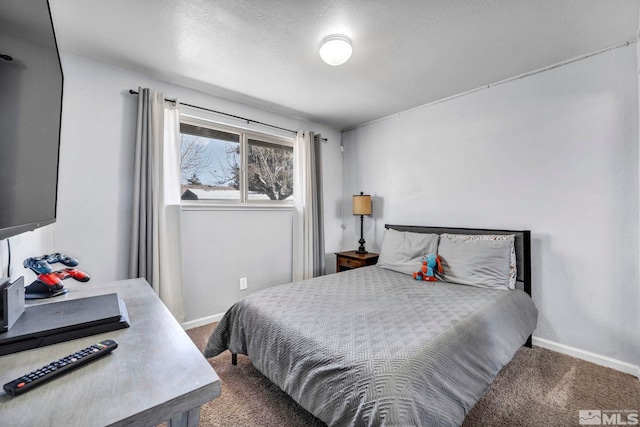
<point x="308" y="223"/>
<point x="156" y="243"/>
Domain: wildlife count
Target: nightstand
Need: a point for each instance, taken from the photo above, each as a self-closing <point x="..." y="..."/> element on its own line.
<point x="350" y="260"/>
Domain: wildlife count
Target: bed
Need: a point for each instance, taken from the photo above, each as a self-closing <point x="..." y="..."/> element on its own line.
<point x="372" y="346"/>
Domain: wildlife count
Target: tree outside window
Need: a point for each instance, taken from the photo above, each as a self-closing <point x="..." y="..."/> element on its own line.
<point x="212" y="165"/>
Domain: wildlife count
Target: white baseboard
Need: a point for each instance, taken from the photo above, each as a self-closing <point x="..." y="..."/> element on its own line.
<point x="202" y="321"/>
<point x="598" y="359"/>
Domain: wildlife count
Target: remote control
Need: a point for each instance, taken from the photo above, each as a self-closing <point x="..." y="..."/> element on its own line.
<point x="60" y="366"/>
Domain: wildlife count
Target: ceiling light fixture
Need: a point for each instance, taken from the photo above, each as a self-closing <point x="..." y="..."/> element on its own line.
<point x="336" y="49"/>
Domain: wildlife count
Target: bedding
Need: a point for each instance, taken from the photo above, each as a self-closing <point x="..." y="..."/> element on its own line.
<point x="373" y="347"/>
<point x="401" y="251"/>
<point x="482" y="261"/>
<point x="511" y="238"/>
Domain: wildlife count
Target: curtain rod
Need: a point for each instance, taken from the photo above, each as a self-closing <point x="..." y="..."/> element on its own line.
<point x="133" y="92"/>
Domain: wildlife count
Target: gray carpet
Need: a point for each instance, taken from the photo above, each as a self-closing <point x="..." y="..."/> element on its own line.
<point x="537" y="388"/>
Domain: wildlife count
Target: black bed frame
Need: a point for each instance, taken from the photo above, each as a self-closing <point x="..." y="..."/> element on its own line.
<point x="522" y="246"/>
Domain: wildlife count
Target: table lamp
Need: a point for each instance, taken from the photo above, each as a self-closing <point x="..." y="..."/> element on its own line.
<point x="362" y="207"/>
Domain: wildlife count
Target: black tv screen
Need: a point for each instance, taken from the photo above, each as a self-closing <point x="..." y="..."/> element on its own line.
<point x="31" y="85"/>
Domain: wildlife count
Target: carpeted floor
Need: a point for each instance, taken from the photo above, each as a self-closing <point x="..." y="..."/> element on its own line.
<point x="537" y="388"/>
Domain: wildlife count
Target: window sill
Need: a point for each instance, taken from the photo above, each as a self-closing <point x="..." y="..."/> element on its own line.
<point x="217" y="206"/>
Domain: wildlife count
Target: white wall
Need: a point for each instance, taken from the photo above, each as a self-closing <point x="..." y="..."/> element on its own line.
<point x="26" y="245"/>
<point x="218" y="252"/>
<point x="95" y="196"/>
<point x="556" y="153"/>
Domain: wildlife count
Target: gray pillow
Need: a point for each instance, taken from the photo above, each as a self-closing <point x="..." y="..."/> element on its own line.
<point x="484" y="263"/>
<point x="401" y="250"/>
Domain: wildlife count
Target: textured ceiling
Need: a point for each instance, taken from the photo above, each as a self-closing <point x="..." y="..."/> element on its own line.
<point x="406" y="53"/>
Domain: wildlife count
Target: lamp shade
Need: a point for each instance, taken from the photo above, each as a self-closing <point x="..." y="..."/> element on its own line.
<point x="336" y="49"/>
<point x="362" y="204"/>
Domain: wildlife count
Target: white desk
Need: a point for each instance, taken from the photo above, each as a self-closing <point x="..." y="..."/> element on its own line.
<point x="156" y="373"/>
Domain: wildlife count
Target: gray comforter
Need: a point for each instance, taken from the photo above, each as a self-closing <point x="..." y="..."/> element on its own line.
<point x="374" y="347"/>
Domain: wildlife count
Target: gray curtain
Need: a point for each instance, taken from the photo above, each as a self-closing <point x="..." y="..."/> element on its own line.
<point x="317" y="206"/>
<point x="156" y="242"/>
<point x="308" y="221"/>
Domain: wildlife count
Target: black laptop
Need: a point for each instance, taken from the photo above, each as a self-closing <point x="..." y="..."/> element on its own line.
<point x="51" y="323"/>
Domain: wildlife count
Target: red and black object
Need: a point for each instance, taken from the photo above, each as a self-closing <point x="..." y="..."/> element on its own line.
<point x="74" y="273"/>
<point x="38" y="289"/>
<point x="50" y="285"/>
<point x="56" y="278"/>
<point x="50" y="279"/>
<point x="52" y="282"/>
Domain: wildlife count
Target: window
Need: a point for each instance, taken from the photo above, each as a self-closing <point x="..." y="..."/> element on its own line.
<point x="225" y="164"/>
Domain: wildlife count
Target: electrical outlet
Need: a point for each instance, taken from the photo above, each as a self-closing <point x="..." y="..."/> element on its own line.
<point x="243" y="283"/>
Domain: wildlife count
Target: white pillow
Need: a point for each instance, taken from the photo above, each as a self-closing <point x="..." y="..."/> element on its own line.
<point x="401" y="250"/>
<point x="486" y="261"/>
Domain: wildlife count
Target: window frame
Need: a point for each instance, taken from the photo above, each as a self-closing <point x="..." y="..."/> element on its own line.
<point x="245" y="135"/>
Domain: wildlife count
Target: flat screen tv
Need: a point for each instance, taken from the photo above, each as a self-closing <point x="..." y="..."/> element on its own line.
<point x="31" y="85"/>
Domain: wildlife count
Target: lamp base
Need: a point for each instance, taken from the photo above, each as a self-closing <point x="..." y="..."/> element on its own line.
<point x="361" y="250"/>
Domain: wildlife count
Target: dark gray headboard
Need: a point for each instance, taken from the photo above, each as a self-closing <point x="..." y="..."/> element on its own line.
<point x="522" y="243"/>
